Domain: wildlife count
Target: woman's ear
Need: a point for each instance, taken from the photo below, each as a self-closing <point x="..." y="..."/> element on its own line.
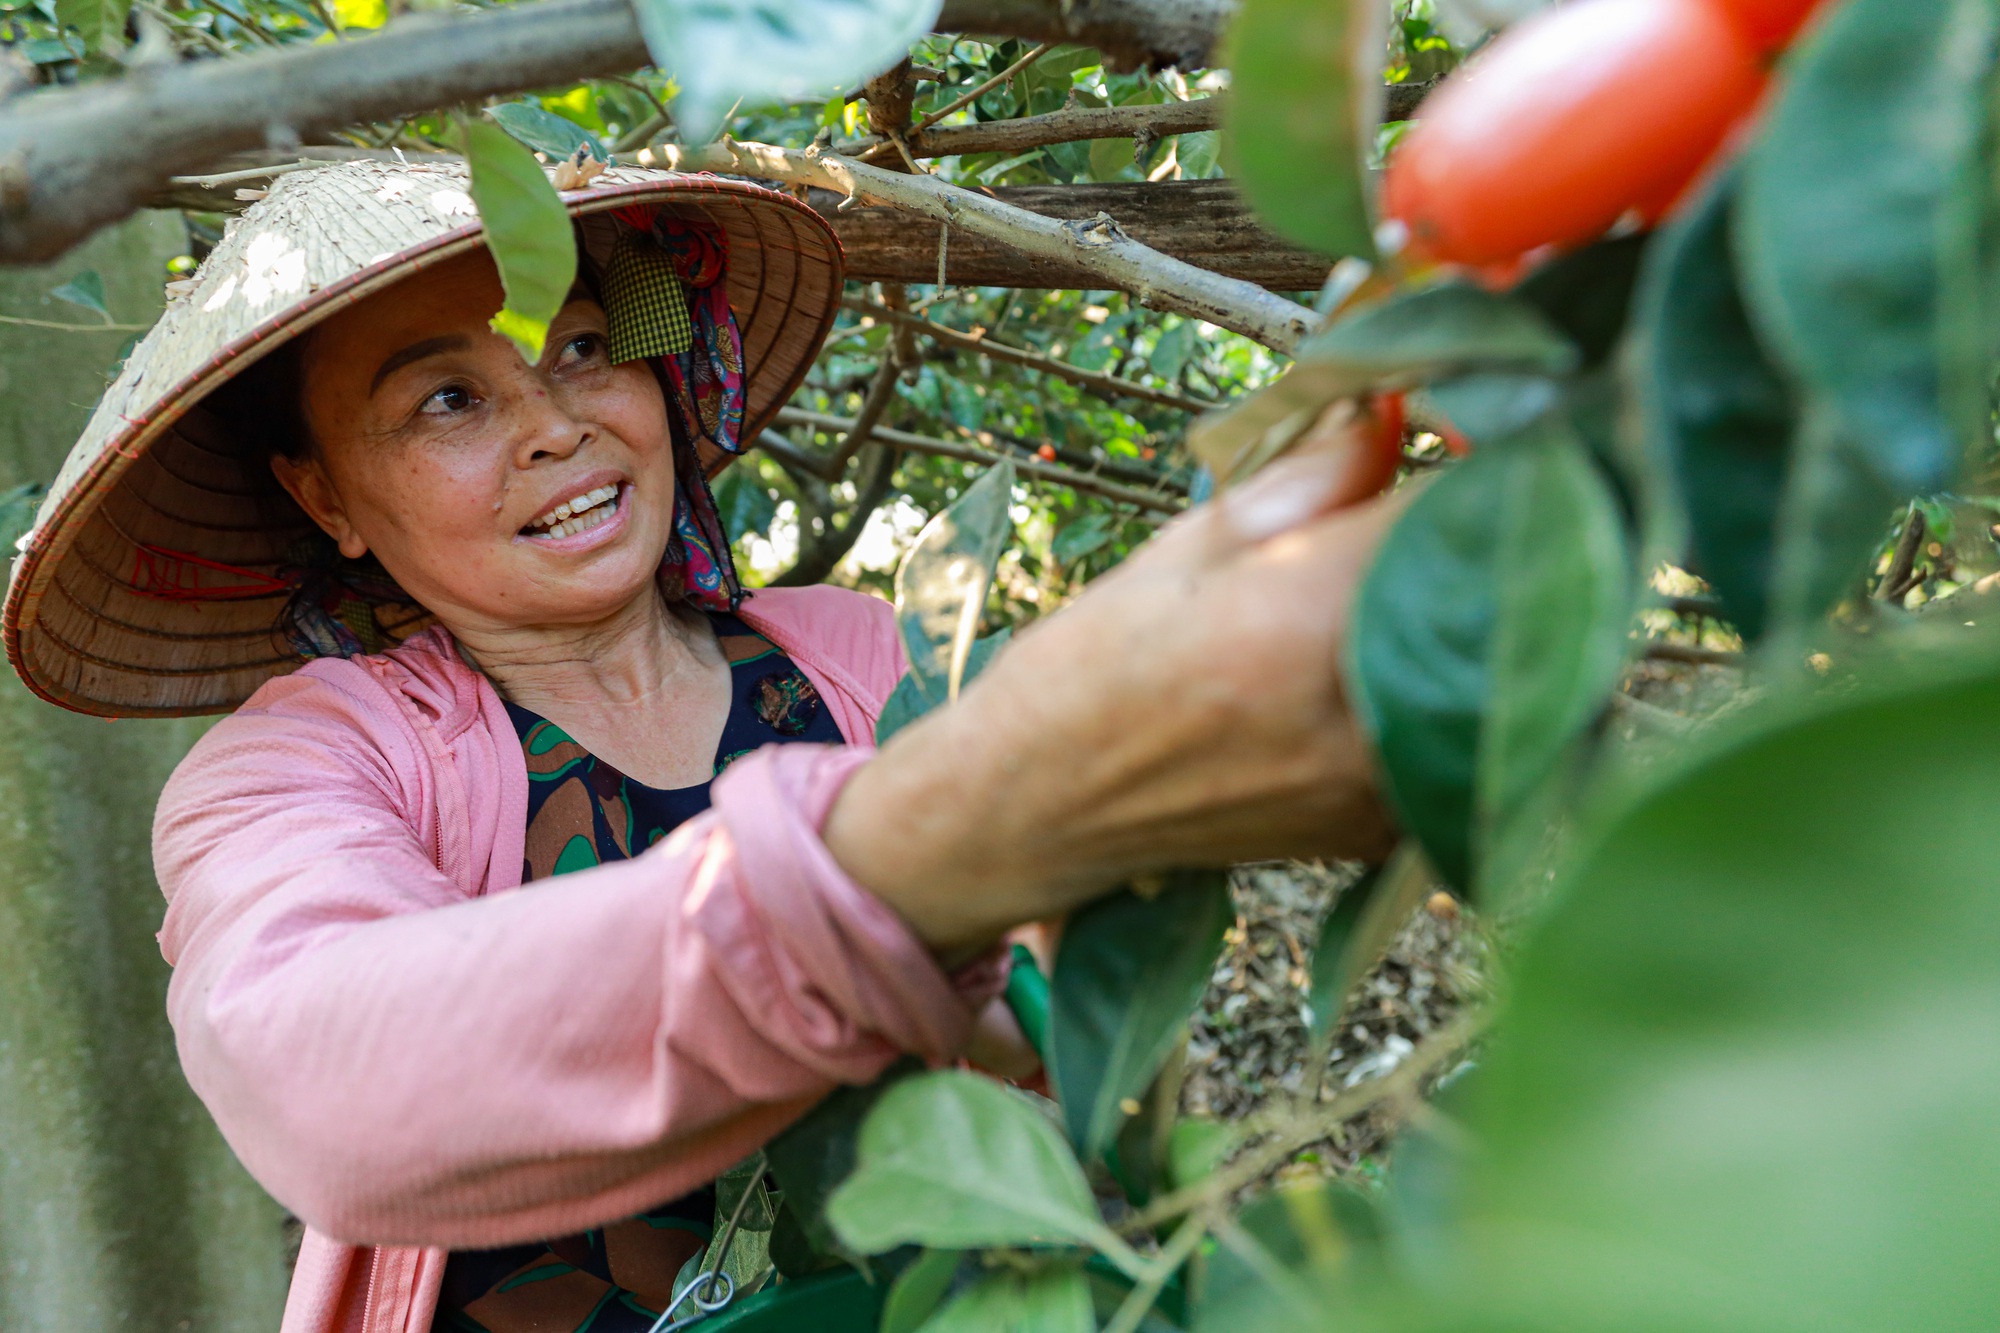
<point x="307" y="483"/>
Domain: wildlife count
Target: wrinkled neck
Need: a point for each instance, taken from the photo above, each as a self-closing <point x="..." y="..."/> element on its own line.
<point x="645" y="651"/>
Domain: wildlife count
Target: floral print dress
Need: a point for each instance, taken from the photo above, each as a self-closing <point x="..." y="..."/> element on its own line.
<point x="583" y="812"/>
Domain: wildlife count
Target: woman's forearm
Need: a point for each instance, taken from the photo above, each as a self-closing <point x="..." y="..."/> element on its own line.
<point x="1186" y="710"/>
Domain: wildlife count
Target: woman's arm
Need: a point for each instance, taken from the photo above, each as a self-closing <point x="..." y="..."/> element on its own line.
<point x="1186" y="710"/>
<point x="399" y="1064"/>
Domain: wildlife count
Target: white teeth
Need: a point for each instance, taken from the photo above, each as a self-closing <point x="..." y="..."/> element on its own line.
<point x="582" y="514"/>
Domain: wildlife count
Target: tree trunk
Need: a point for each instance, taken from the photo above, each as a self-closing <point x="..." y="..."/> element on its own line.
<point x="120" y="1206"/>
<point x="1203" y="222"/>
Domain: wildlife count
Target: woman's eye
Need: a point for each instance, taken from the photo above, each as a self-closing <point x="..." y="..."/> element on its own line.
<point x="581" y="348"/>
<point x="453" y="398"/>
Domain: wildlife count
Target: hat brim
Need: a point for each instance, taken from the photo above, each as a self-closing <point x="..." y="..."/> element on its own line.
<point x="99" y="617"/>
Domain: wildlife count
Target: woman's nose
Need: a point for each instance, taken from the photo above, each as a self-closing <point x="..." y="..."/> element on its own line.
<point x="544" y="427"/>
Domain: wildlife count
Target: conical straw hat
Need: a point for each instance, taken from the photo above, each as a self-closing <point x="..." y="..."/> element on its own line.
<point x="98" y="617"/>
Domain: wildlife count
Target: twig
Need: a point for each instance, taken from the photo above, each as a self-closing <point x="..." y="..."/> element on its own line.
<point x="1299" y="1130"/>
<point x="959" y="104"/>
<point x="1158" y="281"/>
<point x="974" y="342"/>
<point x="1163" y="1266"/>
<point x="25" y="322"/>
<point x="223" y="178"/>
<point x="880" y="393"/>
<point x="1681" y="652"/>
<point x="972" y="453"/>
<point x="1897" y="582"/>
<point x="1069" y="125"/>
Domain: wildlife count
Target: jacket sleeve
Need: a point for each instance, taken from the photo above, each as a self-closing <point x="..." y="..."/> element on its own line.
<point x="401" y="1064"/>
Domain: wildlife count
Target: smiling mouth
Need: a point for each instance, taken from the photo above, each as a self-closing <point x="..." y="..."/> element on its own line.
<point x="581" y="514"/>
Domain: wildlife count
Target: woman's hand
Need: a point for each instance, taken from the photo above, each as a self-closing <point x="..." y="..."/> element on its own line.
<point x="1186" y="710"/>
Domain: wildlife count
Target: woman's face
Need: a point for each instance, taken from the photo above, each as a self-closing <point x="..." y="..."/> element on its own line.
<point x="439" y="449"/>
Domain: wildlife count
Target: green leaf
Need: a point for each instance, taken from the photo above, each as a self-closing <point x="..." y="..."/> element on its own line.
<point x="100" y="23"/>
<point x="744" y="503"/>
<point x="1486" y="637"/>
<point x="919" y="1290"/>
<point x="86" y="289"/>
<point x="360" y="13"/>
<point x="1859" y="226"/>
<point x="527" y="230"/>
<point x="18" y="507"/>
<point x="954" y="1160"/>
<point x="1718" y="416"/>
<point x="1747" y="1075"/>
<point x="1128" y="973"/>
<point x="1049" y="1300"/>
<point x="812" y="1158"/>
<point x="966" y="403"/>
<point x="546" y="132"/>
<point x="1290" y="1261"/>
<point x="1433" y="333"/>
<point x="1305" y="97"/>
<point x="1111" y="159"/>
<point x="773" y="50"/>
<point x="941" y="585"/>
<point x="908" y="702"/>
<point x="1078" y="539"/>
<point x="1172" y="350"/>
<point x="730" y="1187"/>
<point x="1196" y="1147"/>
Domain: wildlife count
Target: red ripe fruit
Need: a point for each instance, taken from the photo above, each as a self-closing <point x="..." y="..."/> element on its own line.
<point x="1047" y="453"/>
<point x="1769" y="24"/>
<point x="1568" y="122"/>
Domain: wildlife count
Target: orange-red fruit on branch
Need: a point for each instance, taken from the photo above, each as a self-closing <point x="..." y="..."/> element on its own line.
<point x="1568" y="122"/>
<point x="1047" y="453"/>
<point x="1769" y="24"/>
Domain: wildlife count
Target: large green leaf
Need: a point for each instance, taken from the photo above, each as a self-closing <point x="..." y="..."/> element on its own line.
<point x="1862" y="203"/>
<point x="1486" y="637"/>
<point x="811" y="1159"/>
<point x="1718" y="416"/>
<point x="955" y="1160"/>
<point x="941" y="585"/>
<point x="544" y="131"/>
<point x="1433" y="333"/>
<point x="908" y="702"/>
<point x="1048" y="1300"/>
<point x="1306" y="93"/>
<point x="527" y="231"/>
<point x="101" y="23"/>
<point x="1747" y="1076"/>
<point x="758" y="51"/>
<point x="919" y="1290"/>
<point x="1128" y="973"/>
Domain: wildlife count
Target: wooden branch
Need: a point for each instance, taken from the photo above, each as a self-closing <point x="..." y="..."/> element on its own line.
<point x="1098" y="246"/>
<point x="1109" y="385"/>
<point x="1206" y="223"/>
<point x="1028" y="466"/>
<point x="1070" y="125"/>
<point x="873" y="404"/>
<point x="1130" y="32"/>
<point x="79" y="158"/>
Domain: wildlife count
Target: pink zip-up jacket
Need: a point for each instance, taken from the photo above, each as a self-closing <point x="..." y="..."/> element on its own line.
<point x="412" y="1057"/>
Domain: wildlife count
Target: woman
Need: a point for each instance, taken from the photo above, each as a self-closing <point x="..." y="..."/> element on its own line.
<point x="478" y="626"/>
